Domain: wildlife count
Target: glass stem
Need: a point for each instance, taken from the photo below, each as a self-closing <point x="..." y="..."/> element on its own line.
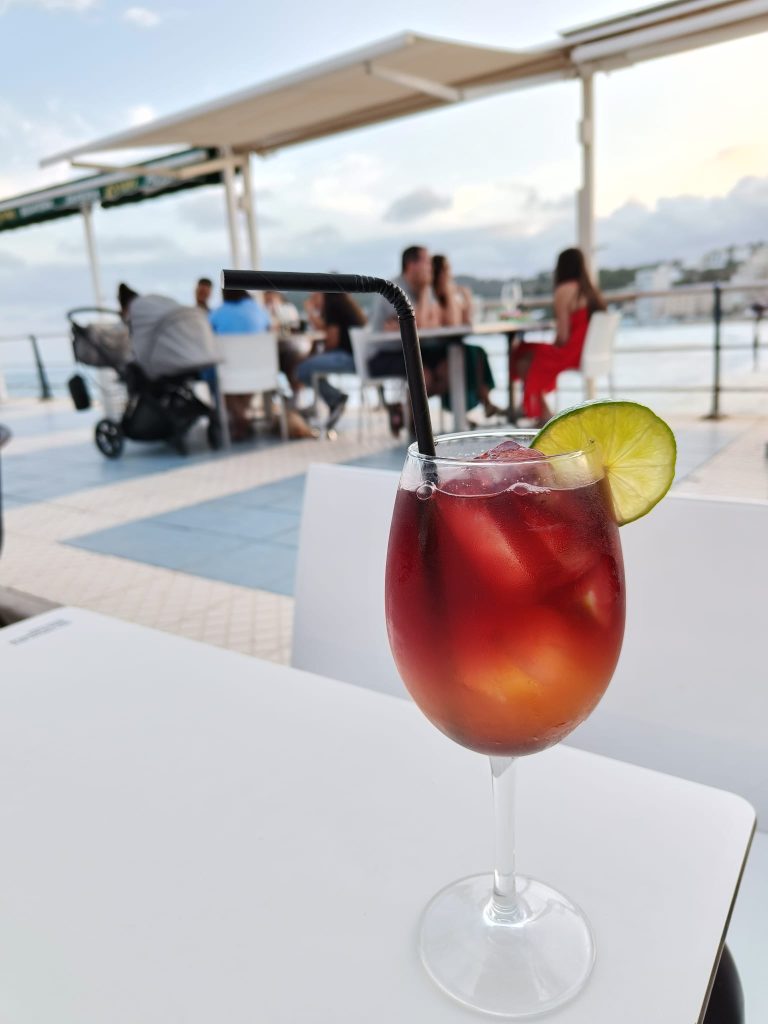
<point x="504" y="906"/>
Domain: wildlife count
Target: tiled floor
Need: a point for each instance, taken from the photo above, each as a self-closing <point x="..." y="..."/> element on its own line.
<point x="250" y="537"/>
<point x="206" y="546"/>
<point x="203" y="546"/>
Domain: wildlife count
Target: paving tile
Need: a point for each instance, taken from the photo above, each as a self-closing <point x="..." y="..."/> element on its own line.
<point x="252" y="564"/>
<point x="157" y="544"/>
<point x="223" y="516"/>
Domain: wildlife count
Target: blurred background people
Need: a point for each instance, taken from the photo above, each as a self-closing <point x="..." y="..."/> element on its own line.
<point x="239" y="313"/>
<point x="455" y="307"/>
<point x="576" y="298"/>
<point x="333" y="314"/>
<point x="203" y="292"/>
<point x="415" y="279"/>
<point x="283" y="314"/>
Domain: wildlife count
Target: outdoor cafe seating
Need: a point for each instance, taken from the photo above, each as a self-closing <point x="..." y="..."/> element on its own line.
<point x="249" y="365"/>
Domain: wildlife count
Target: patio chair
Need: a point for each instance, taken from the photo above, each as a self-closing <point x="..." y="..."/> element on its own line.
<point x="686" y="697"/>
<point x="361" y="380"/>
<point x="250" y="366"/>
<point x="597" y="355"/>
<point x="338" y="626"/>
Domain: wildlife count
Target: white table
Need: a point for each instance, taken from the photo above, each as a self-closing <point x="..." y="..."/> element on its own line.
<point x="191" y="835"/>
<point x="456" y="337"/>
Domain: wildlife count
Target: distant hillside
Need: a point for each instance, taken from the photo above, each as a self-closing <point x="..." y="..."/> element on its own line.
<point x="541" y="284"/>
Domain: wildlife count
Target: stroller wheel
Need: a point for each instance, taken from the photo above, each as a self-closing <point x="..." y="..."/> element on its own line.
<point x="109" y="439"/>
<point x="214" y="434"/>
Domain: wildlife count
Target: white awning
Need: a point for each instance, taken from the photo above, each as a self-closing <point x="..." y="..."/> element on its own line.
<point x="410" y="73"/>
<point x="402" y="75"/>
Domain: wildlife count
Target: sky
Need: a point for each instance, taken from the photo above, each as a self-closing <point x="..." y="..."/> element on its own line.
<point x="681" y="150"/>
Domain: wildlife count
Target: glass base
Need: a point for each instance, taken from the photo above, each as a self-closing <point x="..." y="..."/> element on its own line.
<point x="517" y="959"/>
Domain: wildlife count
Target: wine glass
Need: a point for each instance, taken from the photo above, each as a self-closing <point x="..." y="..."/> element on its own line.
<point x="505" y="614"/>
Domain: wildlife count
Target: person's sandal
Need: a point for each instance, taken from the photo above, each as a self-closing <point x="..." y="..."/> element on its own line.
<point x="337" y="411"/>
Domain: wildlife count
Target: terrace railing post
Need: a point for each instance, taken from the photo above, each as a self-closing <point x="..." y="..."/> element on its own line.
<point x="758" y="308"/>
<point x="45" y="388"/>
<point x="717" y="317"/>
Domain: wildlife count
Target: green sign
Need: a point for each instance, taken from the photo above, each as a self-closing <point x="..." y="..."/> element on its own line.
<point x="110" y="189"/>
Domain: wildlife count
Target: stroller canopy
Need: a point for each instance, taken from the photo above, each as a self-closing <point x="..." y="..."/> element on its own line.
<point x="169" y="339"/>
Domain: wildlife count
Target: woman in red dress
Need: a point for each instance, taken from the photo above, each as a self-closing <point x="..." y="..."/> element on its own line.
<point x="575" y="299"/>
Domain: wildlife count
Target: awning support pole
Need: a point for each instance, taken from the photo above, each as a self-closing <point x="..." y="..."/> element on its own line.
<point x="93" y="263"/>
<point x="231" y="198"/>
<point x="586" y="198"/>
<point x="106" y="378"/>
<point x="249" y="206"/>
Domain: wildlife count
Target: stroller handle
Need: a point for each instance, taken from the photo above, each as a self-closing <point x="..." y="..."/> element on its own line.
<point x="72" y="313"/>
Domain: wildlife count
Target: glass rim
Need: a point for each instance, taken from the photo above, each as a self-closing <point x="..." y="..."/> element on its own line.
<point x="414" y="453"/>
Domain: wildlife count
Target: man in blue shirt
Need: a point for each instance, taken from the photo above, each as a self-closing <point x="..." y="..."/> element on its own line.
<point x="239" y="314"/>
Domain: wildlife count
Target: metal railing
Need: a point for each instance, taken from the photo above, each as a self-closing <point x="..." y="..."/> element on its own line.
<point x="44" y="383"/>
<point x="716" y="317"/>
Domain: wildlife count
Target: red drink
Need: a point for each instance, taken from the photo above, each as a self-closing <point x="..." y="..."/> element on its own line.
<point x="505" y="598"/>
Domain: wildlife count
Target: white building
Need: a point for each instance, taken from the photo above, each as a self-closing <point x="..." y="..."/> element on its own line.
<point x="654" y="279"/>
<point x="754" y="270"/>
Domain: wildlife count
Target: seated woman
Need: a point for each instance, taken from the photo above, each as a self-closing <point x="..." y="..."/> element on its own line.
<point x="333" y="314"/>
<point x="239" y="314"/>
<point x="576" y="298"/>
<point x="455" y="307"/>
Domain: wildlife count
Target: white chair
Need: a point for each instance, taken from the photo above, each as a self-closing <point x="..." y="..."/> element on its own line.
<point x="358" y="337"/>
<point x="688" y="696"/>
<point x="338" y="624"/>
<point x="362" y="351"/>
<point x="250" y="366"/>
<point x="597" y="355"/>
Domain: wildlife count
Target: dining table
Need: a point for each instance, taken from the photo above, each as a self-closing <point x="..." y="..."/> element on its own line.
<point x="456" y="338"/>
<point x="192" y="835"/>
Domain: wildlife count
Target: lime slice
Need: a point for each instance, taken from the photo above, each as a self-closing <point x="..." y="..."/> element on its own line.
<point x="637" y="450"/>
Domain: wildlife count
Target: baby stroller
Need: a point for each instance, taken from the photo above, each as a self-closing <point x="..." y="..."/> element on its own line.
<point x="157" y="360"/>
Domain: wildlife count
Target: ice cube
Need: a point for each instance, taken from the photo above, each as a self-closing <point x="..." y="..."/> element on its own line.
<point x="509" y="451"/>
<point x="599" y="592"/>
<point x="494" y="555"/>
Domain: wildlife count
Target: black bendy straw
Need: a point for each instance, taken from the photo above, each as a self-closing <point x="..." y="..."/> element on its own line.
<point x="287" y="281"/>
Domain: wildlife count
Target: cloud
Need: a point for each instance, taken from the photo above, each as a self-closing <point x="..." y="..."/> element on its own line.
<point x="9" y="263"/>
<point x="684" y="227"/>
<point x="76" y="6"/>
<point x="35" y="297"/>
<point x="25" y="138"/>
<point x="141" y="17"/>
<point x="348" y="186"/>
<point x="414" y="205"/>
<point x="143" y="113"/>
<point x="206" y="212"/>
<point x="32" y="296"/>
<point x="127" y="247"/>
<point x="522" y="244"/>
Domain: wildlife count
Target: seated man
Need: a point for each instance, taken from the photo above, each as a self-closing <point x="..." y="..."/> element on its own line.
<point x="239" y="314"/>
<point x="203" y="292"/>
<point x="416" y="281"/>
